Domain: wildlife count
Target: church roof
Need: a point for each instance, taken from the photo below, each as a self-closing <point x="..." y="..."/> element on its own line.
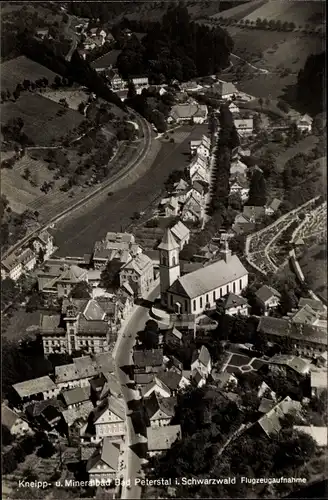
<point x="209" y="278"/>
<point x="168" y="242"/>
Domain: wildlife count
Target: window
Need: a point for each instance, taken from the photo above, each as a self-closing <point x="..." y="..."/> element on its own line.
<point x="194" y="305"/>
<point x="201" y="301"/>
<point x="171" y="300"/>
<point x="186" y="306"/>
<point x="214" y="296"/>
<point x="174" y="261"/>
<point x="71" y="331"/>
<point x="220" y="292"/>
<point x="227" y="288"/>
<point x="240" y="284"/>
<point x="234" y="287"/>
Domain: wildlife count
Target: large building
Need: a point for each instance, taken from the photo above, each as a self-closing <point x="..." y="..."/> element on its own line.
<point x="199" y="290"/>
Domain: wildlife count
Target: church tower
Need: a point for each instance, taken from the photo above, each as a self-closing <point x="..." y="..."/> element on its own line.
<point x="169" y="267"/>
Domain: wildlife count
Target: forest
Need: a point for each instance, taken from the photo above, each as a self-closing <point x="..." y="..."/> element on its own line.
<point x="311" y="83"/>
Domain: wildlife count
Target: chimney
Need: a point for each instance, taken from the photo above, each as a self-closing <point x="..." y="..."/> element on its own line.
<point x="226" y="253"/>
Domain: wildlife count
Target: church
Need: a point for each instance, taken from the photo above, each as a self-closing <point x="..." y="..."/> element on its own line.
<point x="199" y="290"/>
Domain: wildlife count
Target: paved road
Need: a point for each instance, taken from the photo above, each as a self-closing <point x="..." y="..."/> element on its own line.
<point x="123" y="358"/>
<point x="76" y="235"/>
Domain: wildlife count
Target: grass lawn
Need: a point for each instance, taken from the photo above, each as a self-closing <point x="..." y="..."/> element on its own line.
<point x="41" y="123"/>
<point x="257" y="364"/>
<point x="232" y="369"/>
<point x="73" y="96"/>
<point x="239" y="360"/>
<point x="16" y="70"/>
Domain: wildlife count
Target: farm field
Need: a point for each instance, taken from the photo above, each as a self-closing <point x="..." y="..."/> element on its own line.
<point x="314" y="266"/>
<point x="16" y="70"/>
<point x="240" y="11"/>
<point x="73" y="97"/>
<point x="301" y="13"/>
<point x="41" y="123"/>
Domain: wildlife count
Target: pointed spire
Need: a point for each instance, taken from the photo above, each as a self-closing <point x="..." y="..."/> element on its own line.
<point x="168" y="242"/>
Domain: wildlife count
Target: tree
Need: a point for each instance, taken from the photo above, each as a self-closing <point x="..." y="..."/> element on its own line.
<point x="57" y="81"/>
<point x="27" y="174"/>
<point x="110" y="275"/>
<point x="8" y="292"/>
<point x="3" y="96"/>
<point x="131" y="90"/>
<point x="81" y="290"/>
<point x="81" y="108"/>
<point x="7" y="438"/>
<point x="257" y="190"/>
<point x="283" y="106"/>
<point x="288" y="301"/>
<point x="26" y="84"/>
<point x="261" y="102"/>
<point x="47" y="450"/>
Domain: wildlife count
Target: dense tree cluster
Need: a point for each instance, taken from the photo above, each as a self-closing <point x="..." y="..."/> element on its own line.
<point x="176" y="49"/>
<point x="151" y="105"/>
<point x="311" y="82"/>
<point x="257" y="190"/>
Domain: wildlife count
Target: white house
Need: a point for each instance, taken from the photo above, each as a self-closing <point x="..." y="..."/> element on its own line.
<point x="305" y="123"/>
<point x="239" y="186"/>
<point x="16" y="264"/>
<point x="181" y="234"/>
<point x="202" y="362"/>
<point x="160" y="411"/>
<point x="272" y="207"/>
<point x="189" y="111"/>
<point x="193" y="209"/>
<point x="16" y="425"/>
<point x="268" y="298"/>
<point x="233" y="304"/>
<point x="238" y="168"/>
<point x="108" y="420"/>
<point x="224" y="90"/>
<point x="103" y="464"/>
<point x="234" y="109"/>
<point x="44" y="242"/>
<point x="36" y="389"/>
<point x="244" y="126"/>
<point x="318" y="382"/>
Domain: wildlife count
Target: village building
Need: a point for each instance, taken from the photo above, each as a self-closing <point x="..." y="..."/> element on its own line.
<point x="223" y="380"/>
<point x="318" y="382"/>
<point x="159" y="411"/>
<point x="305" y="123"/>
<point x="233" y="304"/>
<point x="44" y="244"/>
<point x="106" y="420"/>
<point x="103" y="385"/>
<point x="119" y="246"/>
<point x="234" y="110"/>
<point x="148" y="362"/>
<point x="16" y="425"/>
<point x="59" y="280"/>
<point x="139" y="273"/>
<point x="244" y="126"/>
<point x="268" y="298"/>
<point x="239" y="185"/>
<point x="190" y="111"/>
<point x="199" y="290"/>
<point x="202" y="362"/>
<point x="181" y="234"/>
<point x="76" y="397"/>
<point x="272" y="207"/>
<point x="17" y="264"/>
<point x="284" y="363"/>
<point x="270" y="423"/>
<point x="194" y="207"/>
<point x="106" y="62"/>
<point x="78" y="415"/>
<point x="308" y="340"/>
<point x="90" y="325"/>
<point x="103" y="464"/>
<point x="36" y="389"/>
<point x="224" y="90"/>
<point x="169" y="207"/>
<point x="165" y="384"/>
<point x="162" y="438"/>
<point x="238" y="168"/>
<point x="82" y="370"/>
<point x="253" y="213"/>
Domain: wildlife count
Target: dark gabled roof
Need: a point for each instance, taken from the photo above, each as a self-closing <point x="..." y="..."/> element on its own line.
<point x="203" y="356"/>
<point x="232" y="300"/>
<point x="169" y="378"/>
<point x="107" y="60"/>
<point x="266" y="293"/>
<point x="155" y="403"/>
<point x="76" y="395"/>
<point x="153" y="357"/>
<point x="295" y="331"/>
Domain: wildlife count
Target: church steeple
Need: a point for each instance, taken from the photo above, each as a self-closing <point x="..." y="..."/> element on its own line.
<point x="169" y="266"/>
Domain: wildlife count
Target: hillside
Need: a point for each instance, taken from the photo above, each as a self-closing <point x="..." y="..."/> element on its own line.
<point x="240" y="11"/>
<point x="310" y="12"/>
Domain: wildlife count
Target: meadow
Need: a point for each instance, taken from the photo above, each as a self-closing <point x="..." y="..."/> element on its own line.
<point x="21" y="68"/>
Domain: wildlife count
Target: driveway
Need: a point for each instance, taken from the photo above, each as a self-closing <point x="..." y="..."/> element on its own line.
<point x="123" y="358"/>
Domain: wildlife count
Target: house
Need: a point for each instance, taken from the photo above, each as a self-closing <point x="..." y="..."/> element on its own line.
<point x="272" y="207"/>
<point x="305" y="123"/>
<point x="242" y="224"/>
<point x="233" y="304"/>
<point x="159" y="411"/>
<point x="209" y="251"/>
<point x="103" y="464"/>
<point x="139" y="273"/>
<point x="150" y="361"/>
<point x="244" y="126"/>
<point x="42" y="33"/>
<point x="118" y="83"/>
<point x="234" y="110"/>
<point x="90" y="325"/>
<point x="264" y="390"/>
<point x="82" y="370"/>
<point x="193" y="209"/>
<point x="202" y="362"/>
<point x="316" y="305"/>
<point x="44" y="243"/>
<point x="106" y="62"/>
<point x="169" y="207"/>
<point x="17" y="264"/>
<point x="161" y="438"/>
<point x="140" y="83"/>
<point x="318" y="434"/>
<point x="60" y="280"/>
<point x="190" y="111"/>
<point x="224" y="90"/>
<point x="304" y="315"/>
<point x="36" y="389"/>
<point x="318" y="382"/>
<point x="239" y="185"/>
<point x="197" y="378"/>
<point x="199" y="290"/>
<point x="238" y="168"/>
<point x="94" y="277"/>
<point x="199" y="173"/>
<point x="118" y="246"/>
<point x="106" y="420"/>
<point x="254" y="214"/>
<point x="181" y="234"/>
<point x="283" y="363"/>
<point x="165" y="384"/>
<point x="46" y="414"/>
<point x="268" y="298"/>
<point x="173" y="337"/>
<point x="180" y="187"/>
<point x="76" y="397"/>
<point x="16" y="425"/>
<point x="224" y="379"/>
<point x="270" y="423"/>
<point x="104" y="384"/>
<point x="308" y="340"/>
<point x="239" y="152"/>
<point x="77" y="415"/>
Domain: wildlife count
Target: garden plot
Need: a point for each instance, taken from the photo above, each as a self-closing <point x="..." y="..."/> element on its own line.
<point x="72" y="97"/>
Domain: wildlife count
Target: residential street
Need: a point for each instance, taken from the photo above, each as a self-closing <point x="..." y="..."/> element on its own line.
<point x="123" y="358"/>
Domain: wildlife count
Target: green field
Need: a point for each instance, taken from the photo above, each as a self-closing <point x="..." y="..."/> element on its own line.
<point x="314" y="266"/>
<point x="41" y="123"/>
<point x="21" y="68"/>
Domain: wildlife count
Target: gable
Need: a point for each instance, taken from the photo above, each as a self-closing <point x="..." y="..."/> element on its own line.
<point x="108" y="417"/>
<point x="160" y="415"/>
<point x="103" y="468"/>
